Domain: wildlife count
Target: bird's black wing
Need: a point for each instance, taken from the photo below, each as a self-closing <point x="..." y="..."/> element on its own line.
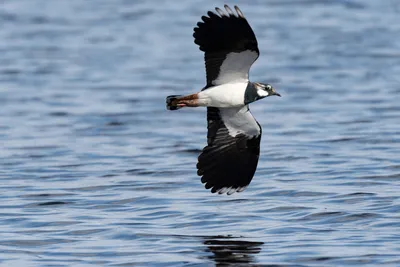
<point x="229" y="44"/>
<point x="229" y="161"/>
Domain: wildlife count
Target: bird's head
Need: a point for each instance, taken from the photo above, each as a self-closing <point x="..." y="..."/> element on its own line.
<point x="264" y="90"/>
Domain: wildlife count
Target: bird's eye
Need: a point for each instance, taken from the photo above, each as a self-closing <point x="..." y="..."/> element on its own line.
<point x="268" y="87"/>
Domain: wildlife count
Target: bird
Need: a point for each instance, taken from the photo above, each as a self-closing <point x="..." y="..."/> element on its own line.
<point x="229" y="161"/>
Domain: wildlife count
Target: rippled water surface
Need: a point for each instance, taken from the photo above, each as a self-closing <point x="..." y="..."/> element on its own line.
<point x="95" y="172"/>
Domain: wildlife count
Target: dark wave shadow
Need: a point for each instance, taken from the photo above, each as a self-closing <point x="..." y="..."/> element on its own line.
<point x="227" y="251"/>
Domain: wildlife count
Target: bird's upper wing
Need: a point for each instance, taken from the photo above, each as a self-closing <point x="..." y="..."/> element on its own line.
<point x="229" y="161"/>
<point x="229" y="44"/>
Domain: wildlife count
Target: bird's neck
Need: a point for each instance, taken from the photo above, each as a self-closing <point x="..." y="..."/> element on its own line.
<point x="251" y="94"/>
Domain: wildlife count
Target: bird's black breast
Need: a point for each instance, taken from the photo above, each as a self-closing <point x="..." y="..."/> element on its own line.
<point x="250" y="94"/>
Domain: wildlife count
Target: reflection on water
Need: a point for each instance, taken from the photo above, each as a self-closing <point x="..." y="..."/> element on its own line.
<point x="228" y="251"/>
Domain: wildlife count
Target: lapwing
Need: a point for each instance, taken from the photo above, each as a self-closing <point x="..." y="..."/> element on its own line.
<point x="228" y="163"/>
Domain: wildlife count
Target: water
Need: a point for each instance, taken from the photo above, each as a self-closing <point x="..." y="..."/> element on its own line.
<point x="95" y="171"/>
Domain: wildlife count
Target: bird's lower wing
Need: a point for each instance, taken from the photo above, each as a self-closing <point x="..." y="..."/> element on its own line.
<point x="229" y="161"/>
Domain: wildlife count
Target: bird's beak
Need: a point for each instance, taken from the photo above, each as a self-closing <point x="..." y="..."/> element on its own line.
<point x="275" y="93"/>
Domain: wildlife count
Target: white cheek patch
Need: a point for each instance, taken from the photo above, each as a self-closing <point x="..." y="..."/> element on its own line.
<point x="261" y="92"/>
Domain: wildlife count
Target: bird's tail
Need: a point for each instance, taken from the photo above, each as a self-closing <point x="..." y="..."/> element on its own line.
<point x="172" y="102"/>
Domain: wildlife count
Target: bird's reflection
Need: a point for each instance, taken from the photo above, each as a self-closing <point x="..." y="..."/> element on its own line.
<point x="229" y="251"/>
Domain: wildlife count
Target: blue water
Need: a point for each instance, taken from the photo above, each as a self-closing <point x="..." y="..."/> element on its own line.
<point x="95" y="172"/>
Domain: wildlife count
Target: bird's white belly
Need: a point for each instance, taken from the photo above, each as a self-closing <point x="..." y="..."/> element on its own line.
<point x="223" y="96"/>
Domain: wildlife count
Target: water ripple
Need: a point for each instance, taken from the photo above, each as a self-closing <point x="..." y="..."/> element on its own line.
<point x="95" y="171"/>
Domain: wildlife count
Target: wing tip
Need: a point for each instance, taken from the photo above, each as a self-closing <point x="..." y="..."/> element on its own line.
<point x="229" y="10"/>
<point x="212" y="15"/>
<point x="229" y="190"/>
<point x="222" y="14"/>
<point x="239" y="12"/>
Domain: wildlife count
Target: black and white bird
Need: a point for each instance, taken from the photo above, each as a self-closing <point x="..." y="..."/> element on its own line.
<point x="228" y="163"/>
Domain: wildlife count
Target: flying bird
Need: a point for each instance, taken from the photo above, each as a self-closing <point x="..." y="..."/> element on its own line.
<point x="228" y="163"/>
